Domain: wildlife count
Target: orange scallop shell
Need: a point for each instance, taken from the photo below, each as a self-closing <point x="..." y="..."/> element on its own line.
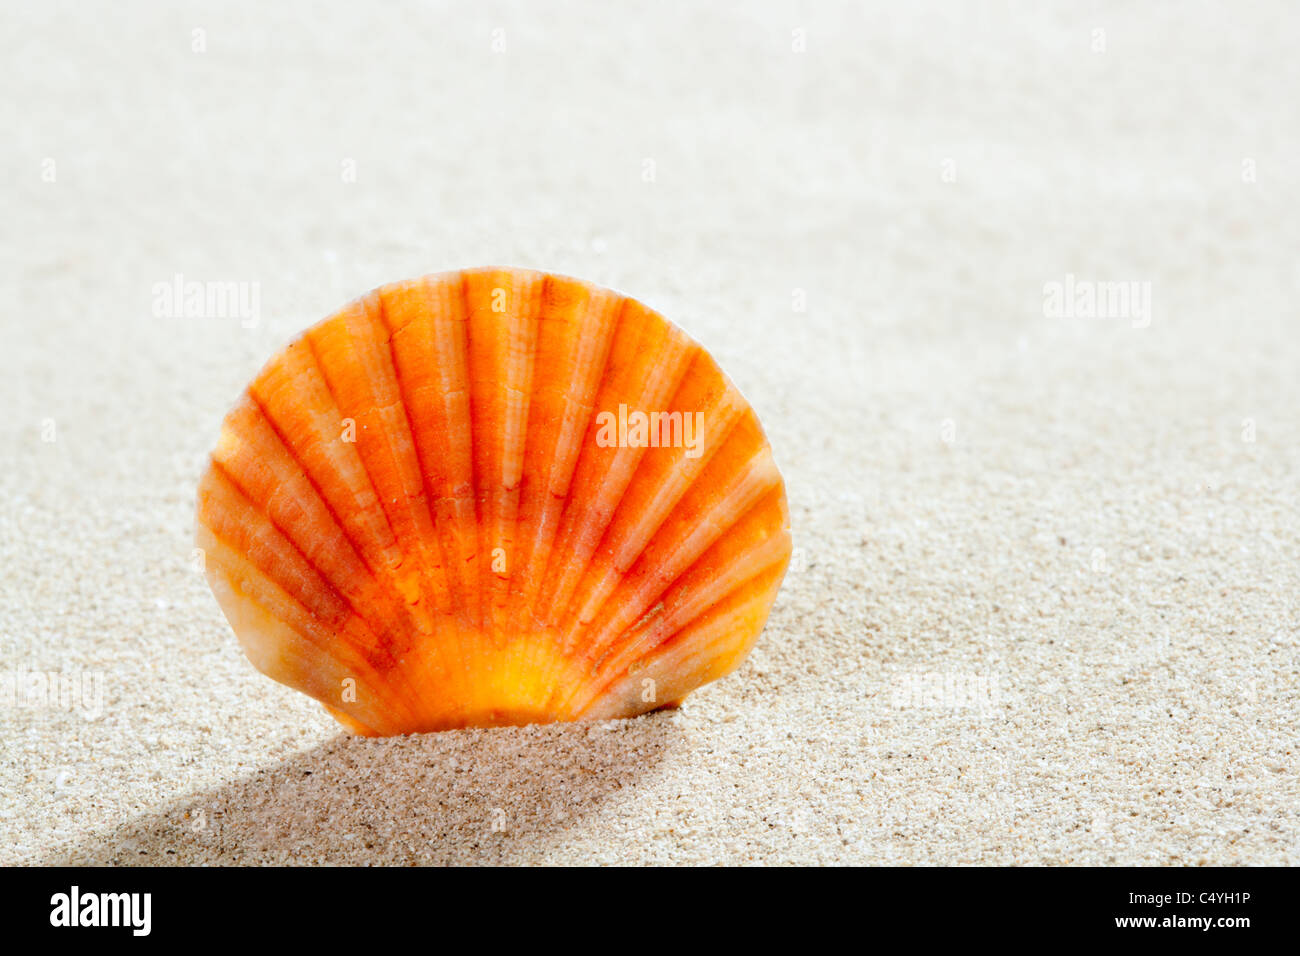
<point x="492" y="497"/>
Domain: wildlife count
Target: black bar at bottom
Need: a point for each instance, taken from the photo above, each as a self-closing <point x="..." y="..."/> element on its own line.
<point x="300" y="906"/>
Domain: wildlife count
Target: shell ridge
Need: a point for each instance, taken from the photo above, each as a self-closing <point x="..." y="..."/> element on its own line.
<point x="384" y="574"/>
<point x="444" y="649"/>
<point x="374" y="361"/>
<point x="525" y="343"/>
<point x="627" y="547"/>
<point x="641" y="638"/>
<point x="519" y="334"/>
<point x="435" y="417"/>
<point x="519" y="338"/>
<point x="702" y="651"/>
<point x="377" y="578"/>
<point x="611" y="483"/>
<point x="740" y="497"/>
<point x="378" y="544"/>
<point x="285" y="490"/>
<point x="472" y="560"/>
<point x="580" y="535"/>
<point x="357" y="652"/>
<point x="449" y="341"/>
<point x="682" y="553"/>
<point x="617" y="479"/>
<point x="556" y="479"/>
<point x="229" y="484"/>
<point x="590" y="357"/>
<point x="270" y="659"/>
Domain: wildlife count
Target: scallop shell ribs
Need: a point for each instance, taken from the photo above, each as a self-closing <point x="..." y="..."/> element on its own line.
<point x="493" y="497"/>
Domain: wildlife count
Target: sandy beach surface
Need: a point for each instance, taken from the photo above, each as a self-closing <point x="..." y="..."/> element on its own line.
<point x="1045" y="602"/>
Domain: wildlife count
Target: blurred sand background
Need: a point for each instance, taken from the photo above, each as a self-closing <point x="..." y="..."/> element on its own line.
<point x="1044" y="604"/>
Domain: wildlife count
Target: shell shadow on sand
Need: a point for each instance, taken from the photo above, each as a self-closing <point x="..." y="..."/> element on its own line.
<point x="473" y="796"/>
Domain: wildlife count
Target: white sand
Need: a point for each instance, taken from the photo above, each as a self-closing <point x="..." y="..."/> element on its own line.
<point x="1097" y="560"/>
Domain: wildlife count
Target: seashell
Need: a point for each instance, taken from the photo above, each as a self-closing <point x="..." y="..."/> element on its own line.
<point x="488" y="497"/>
